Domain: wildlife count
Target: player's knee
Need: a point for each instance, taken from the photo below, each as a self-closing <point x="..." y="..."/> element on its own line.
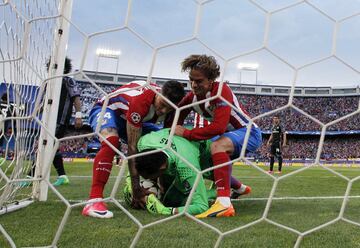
<point x="108" y="132"/>
<point x="106" y="150"/>
<point x="215" y="147"/>
<point x="222" y="145"/>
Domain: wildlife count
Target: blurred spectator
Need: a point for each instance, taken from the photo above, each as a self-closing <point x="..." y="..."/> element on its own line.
<point x="324" y="109"/>
<point x="306" y="148"/>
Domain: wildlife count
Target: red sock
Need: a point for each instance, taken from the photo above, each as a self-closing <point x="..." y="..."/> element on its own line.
<point x="235" y="183"/>
<point x="222" y="175"/>
<point x="102" y="167"/>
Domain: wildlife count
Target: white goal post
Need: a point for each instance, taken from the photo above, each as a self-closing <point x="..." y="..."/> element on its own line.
<point x="34" y="33"/>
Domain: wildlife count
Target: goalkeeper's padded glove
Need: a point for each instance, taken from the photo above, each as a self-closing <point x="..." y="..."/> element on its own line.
<point x="128" y="191"/>
<point x="154" y="206"/>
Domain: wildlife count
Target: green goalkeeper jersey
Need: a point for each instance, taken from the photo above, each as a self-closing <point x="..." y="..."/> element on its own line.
<point x="182" y="176"/>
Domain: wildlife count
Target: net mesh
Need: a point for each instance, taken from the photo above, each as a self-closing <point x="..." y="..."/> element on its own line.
<point x="26" y="42"/>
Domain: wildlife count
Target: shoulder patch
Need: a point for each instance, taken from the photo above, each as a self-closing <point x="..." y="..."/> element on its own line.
<point x="135" y="117"/>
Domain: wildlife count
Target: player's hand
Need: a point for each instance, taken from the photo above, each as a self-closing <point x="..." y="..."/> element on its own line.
<point x="179" y="130"/>
<point x="78" y="123"/>
<point x="138" y="198"/>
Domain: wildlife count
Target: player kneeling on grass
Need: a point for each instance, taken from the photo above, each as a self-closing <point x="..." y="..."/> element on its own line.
<point x="176" y="177"/>
<point x="133" y="110"/>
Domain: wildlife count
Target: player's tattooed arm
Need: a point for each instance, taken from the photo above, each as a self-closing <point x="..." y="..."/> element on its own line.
<point x="133" y="134"/>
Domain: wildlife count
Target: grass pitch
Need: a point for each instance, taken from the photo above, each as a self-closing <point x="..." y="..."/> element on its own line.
<point x="302" y="202"/>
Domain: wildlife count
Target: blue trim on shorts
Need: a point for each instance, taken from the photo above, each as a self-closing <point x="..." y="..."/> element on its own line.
<point x="111" y="120"/>
<point x="237" y="137"/>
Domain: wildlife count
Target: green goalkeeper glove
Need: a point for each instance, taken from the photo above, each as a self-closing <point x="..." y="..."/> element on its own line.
<point x="154" y="206"/>
<point x="127" y="191"/>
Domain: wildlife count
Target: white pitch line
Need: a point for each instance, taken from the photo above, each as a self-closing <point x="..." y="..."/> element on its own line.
<point x="263" y="198"/>
<point x="297" y="198"/>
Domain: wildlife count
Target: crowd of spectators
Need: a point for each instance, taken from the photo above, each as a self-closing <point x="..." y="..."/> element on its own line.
<point x="324" y="109"/>
<point x="306" y="148"/>
<point x="74" y="146"/>
<point x="83" y="147"/>
<point x="298" y="148"/>
<point x="89" y="95"/>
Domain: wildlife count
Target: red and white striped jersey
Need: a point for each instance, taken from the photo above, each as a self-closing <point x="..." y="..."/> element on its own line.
<point x="200" y="121"/>
<point x="222" y="117"/>
<point x="134" y="103"/>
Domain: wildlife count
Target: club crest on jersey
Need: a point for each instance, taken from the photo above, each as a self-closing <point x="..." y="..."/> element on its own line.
<point x="135" y="117"/>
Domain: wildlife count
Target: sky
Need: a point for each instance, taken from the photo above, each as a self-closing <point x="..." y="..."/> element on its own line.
<point x="234" y="31"/>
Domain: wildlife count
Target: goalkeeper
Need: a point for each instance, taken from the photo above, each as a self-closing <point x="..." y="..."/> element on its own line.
<point x="176" y="177"/>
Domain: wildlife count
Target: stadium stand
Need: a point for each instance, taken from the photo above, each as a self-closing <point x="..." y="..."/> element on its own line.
<point x="325" y="109"/>
<point x="342" y="139"/>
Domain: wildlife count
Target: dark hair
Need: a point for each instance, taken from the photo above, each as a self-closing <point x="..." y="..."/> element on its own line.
<point x="173" y="90"/>
<point x="67" y="65"/>
<point x="4" y="97"/>
<point x="151" y="163"/>
<point x="206" y="64"/>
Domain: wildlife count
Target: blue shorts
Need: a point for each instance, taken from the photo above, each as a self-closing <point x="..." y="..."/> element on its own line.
<point x="237" y="137"/>
<point x="111" y="120"/>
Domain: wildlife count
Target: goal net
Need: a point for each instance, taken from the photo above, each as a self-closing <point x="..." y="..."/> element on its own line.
<point x="28" y="41"/>
<point x="36" y="32"/>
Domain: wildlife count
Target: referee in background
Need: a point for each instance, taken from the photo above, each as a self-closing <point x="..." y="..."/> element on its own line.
<point x="276" y="141"/>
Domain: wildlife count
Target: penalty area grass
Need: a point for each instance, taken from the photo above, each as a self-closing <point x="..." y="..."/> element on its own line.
<point x="302" y="202"/>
